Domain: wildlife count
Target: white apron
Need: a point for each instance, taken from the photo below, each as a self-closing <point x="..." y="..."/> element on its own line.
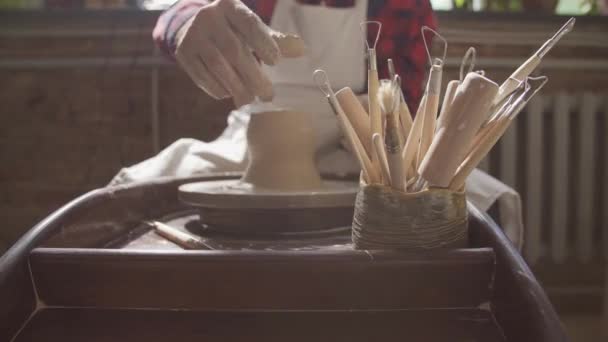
<point x="335" y="44"/>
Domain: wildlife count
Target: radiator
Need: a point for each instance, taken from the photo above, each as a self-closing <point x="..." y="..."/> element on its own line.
<point x="556" y="156"/>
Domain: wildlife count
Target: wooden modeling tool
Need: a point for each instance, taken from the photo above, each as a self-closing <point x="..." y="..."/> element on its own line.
<point x="528" y="66"/>
<point x="431" y="105"/>
<point x="469" y="59"/>
<point x="497" y="107"/>
<point x="405" y="115"/>
<point x="413" y="140"/>
<point x="357" y="116"/>
<point x="452" y="142"/>
<point x="483" y="147"/>
<point x="181" y="238"/>
<point x="504" y="106"/>
<point x="389" y="102"/>
<point x="503" y="109"/>
<point x="448" y="97"/>
<point x="373" y="84"/>
<point x="379" y="147"/>
<point x="432" y="92"/>
<point x="370" y="172"/>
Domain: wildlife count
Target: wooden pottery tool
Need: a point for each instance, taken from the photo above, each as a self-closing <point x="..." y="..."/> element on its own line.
<point x="452" y="142"/>
<point x="432" y="92"/>
<point x="373" y="84"/>
<point x="504" y="106"/>
<point x="496" y="109"/>
<point x="413" y="140"/>
<point x="448" y="97"/>
<point x="371" y="173"/>
<point x="433" y="89"/>
<point x="357" y="116"/>
<point x="469" y="58"/>
<point x="180" y="238"/>
<point x="481" y="149"/>
<point x="529" y="65"/>
<point x="379" y="146"/>
<point x="405" y="115"/>
<point x="281" y="189"/>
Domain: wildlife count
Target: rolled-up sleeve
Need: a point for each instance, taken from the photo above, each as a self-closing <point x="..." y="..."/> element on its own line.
<point x="172" y="20"/>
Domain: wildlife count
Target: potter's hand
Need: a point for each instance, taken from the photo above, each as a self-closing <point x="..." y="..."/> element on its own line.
<point x="215" y="47"/>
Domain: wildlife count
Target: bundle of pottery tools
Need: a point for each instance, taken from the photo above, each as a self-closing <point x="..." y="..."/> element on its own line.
<point x="414" y="169"/>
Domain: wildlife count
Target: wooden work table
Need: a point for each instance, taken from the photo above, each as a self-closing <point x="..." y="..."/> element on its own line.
<point x="70" y="279"/>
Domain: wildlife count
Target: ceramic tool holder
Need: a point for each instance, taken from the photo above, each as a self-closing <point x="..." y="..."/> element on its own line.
<point x="388" y="219"/>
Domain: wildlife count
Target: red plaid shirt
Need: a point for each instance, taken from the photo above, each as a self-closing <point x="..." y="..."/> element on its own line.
<point x="400" y="40"/>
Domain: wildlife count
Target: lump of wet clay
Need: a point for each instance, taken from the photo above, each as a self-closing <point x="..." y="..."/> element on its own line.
<point x="291" y="45"/>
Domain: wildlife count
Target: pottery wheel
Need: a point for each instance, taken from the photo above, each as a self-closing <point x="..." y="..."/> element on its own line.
<point x="239" y="207"/>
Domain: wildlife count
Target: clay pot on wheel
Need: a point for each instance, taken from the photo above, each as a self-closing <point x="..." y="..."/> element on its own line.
<point x="281" y="151"/>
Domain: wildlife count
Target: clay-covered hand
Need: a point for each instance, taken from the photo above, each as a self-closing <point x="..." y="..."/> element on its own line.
<point x="216" y="48"/>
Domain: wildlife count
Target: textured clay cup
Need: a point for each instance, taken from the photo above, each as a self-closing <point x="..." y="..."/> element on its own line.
<point x="282" y="152"/>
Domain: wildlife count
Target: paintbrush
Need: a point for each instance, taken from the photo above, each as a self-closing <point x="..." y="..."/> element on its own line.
<point x="389" y="100"/>
<point x="529" y="65"/>
<point x="483" y="147"/>
<point x="369" y="171"/>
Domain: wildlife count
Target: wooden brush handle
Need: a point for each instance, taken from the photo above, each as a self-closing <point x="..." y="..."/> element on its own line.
<point x="453" y="141"/>
<point x="357" y="116"/>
